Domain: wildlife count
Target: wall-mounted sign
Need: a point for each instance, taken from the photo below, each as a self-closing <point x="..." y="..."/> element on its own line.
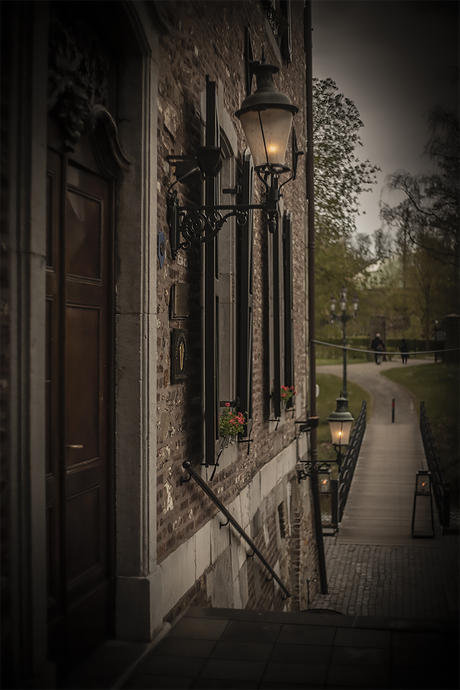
<point x="179" y="305"/>
<point x="179" y="355"/>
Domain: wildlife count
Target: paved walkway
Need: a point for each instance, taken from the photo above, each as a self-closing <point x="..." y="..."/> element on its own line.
<point x="229" y="648"/>
<point x="380" y="503"/>
<point x="374" y="566"/>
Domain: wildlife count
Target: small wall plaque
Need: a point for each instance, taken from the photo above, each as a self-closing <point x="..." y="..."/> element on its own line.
<point x="179" y="301"/>
<point x="179" y="355"/>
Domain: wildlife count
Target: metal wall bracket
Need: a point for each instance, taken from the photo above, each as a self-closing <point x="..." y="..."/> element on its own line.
<point x="308" y="425"/>
<point x="200" y="223"/>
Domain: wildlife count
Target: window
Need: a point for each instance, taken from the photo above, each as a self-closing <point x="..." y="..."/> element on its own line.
<point x="228" y="285"/>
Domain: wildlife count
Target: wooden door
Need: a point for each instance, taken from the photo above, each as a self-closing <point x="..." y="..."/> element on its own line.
<point x="79" y="238"/>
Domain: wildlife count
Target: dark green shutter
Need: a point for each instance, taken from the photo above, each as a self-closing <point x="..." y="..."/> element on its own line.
<point x="246" y="297"/>
<point x="288" y="304"/>
<point x="277" y="296"/>
<point x="211" y="298"/>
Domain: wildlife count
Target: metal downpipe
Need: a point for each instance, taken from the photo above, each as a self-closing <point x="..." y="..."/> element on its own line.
<point x="311" y="291"/>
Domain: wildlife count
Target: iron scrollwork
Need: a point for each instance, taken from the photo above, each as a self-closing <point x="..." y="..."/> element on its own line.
<point x="307" y="468"/>
<point x="77" y="77"/>
<point x="197" y="226"/>
<point x="201" y="223"/>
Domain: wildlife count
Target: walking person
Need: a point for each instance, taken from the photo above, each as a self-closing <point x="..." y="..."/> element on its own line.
<point x="378" y="347"/>
<point x="404" y="349"/>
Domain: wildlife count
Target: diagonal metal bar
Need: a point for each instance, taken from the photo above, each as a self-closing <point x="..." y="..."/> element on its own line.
<point x="187" y="466"/>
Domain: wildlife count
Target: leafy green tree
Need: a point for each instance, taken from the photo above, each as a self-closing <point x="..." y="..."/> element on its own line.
<point x="340" y="177"/>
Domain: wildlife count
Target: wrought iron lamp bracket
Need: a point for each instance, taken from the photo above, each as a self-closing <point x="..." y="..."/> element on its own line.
<point x="307" y="468"/>
<point x="199" y="224"/>
<point x="308" y="425"/>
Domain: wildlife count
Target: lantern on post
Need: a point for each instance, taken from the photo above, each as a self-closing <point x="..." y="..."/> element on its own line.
<point x="340" y="423"/>
<point x="423" y="489"/>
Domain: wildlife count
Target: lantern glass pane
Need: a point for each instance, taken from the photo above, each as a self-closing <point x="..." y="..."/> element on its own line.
<point x="324" y="483"/>
<point x="340" y="432"/>
<point x="276" y="125"/>
<point x="423" y="483"/>
<point x="346" y="430"/>
<point x="336" y="432"/>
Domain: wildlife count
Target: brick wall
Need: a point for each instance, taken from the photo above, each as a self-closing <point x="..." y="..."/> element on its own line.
<point x="208" y="38"/>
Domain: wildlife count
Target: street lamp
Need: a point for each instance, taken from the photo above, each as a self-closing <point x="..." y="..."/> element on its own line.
<point x="344" y="317"/>
<point x="340" y="423"/>
<point x="266" y="118"/>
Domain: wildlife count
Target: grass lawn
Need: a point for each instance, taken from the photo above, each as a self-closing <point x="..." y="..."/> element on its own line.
<point x="438" y="385"/>
<point x="329" y="390"/>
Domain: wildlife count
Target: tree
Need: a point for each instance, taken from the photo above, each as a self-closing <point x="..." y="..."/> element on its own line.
<point x="340" y="177"/>
<point x="428" y="216"/>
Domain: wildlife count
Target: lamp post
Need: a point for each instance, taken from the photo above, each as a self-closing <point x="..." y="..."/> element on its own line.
<point x="344" y="317"/>
<point x="340" y="423"/>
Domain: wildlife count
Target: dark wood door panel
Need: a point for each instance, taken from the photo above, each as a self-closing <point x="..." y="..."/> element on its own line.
<point x="86" y="558"/>
<point x="84" y="225"/>
<point x="56" y="603"/>
<point x="53" y="201"/>
<point x="84" y="385"/>
<point x="86" y="528"/>
<point x="79" y="227"/>
<point x="88" y="623"/>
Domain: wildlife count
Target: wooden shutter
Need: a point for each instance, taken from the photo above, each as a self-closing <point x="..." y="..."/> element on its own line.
<point x="288" y="304"/>
<point x="211" y="298"/>
<point x="246" y="297"/>
<point x="276" y="270"/>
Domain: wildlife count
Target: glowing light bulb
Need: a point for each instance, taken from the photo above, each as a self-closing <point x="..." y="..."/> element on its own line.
<point x="272" y="149"/>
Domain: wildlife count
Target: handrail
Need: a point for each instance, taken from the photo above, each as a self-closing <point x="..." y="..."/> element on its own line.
<point x="351" y="458"/>
<point x="441" y="488"/>
<point x="187" y="466"/>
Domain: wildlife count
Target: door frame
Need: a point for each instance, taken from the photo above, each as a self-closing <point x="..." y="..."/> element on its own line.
<point x="135" y="333"/>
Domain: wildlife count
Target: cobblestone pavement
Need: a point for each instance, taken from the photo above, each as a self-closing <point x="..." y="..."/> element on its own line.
<point x="392" y="581"/>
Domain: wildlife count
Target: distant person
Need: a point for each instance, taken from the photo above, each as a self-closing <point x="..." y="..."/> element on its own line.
<point x="378" y="347"/>
<point x="404" y="349"/>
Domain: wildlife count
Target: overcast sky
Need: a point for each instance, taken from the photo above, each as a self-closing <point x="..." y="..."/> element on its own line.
<point x="393" y="60"/>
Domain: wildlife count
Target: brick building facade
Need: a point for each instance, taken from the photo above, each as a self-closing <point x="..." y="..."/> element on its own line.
<point x="115" y="370"/>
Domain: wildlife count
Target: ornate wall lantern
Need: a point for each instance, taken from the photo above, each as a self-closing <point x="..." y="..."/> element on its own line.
<point x="266" y="117"/>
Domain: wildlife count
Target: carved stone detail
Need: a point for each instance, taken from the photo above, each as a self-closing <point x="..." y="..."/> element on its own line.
<point x="77" y="77"/>
<point x="77" y="94"/>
